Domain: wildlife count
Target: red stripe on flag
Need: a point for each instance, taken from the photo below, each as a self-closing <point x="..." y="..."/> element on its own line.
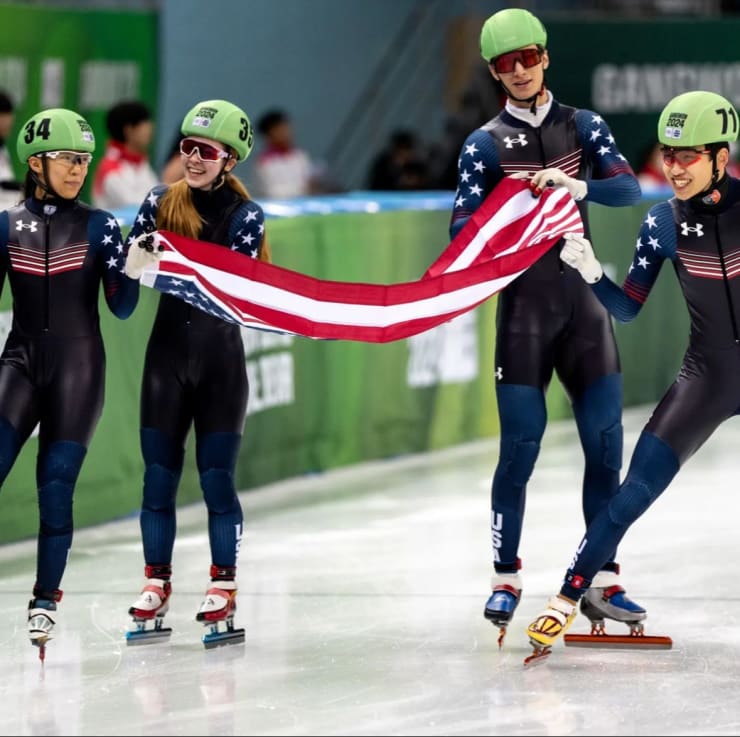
<point x="508" y="233"/>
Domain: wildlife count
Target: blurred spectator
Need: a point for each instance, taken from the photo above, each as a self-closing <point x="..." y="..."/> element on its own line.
<point x="480" y="102"/>
<point x="650" y="168"/>
<point x="172" y="170"/>
<point x="733" y="165"/>
<point x="9" y="187"/>
<point x="125" y="176"/>
<point x="402" y="164"/>
<point x="283" y="169"/>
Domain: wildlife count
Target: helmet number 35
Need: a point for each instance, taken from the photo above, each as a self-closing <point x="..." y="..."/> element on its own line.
<point x="244" y="131"/>
<point x="42" y="130"/>
<point x="728" y="116"/>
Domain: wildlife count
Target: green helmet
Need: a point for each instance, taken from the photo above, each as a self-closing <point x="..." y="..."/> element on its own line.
<point x="56" y="129"/>
<point x="697" y="118"/>
<point x="220" y="121"/>
<point x="510" y="29"/>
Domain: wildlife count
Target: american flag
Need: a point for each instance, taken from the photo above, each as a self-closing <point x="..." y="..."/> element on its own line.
<point x="505" y="235"/>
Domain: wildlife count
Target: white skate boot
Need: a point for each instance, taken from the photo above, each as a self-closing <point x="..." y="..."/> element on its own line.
<point x="219" y="605"/>
<point x="549" y="625"/>
<point x="151" y="606"/>
<point x="506" y="591"/>
<point x="41" y="620"/>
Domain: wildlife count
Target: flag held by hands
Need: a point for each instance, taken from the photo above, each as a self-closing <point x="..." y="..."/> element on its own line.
<point x="505" y="235"/>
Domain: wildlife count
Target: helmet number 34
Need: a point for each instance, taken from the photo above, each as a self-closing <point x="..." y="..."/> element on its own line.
<point x="42" y="130"/>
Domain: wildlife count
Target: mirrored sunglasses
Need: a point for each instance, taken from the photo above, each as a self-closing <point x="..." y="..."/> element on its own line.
<point x="504" y="64"/>
<point x="683" y="156"/>
<point x="70" y="158"/>
<point x="206" y="152"/>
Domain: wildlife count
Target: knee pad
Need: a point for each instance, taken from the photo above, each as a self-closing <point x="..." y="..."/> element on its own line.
<point x="160" y="487"/>
<point x="633" y="499"/>
<point x="518" y="458"/>
<point x="653" y="466"/>
<point x="218" y="490"/>
<point x="57" y="470"/>
<point x="61" y="461"/>
<point x="55" y="508"/>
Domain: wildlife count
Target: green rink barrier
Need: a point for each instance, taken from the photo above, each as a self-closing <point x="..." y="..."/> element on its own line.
<point x="315" y="405"/>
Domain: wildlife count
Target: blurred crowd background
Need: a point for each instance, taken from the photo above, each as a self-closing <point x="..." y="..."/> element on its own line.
<point x="362" y="95"/>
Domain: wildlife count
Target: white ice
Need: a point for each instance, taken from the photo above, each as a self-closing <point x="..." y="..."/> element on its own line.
<point x="362" y="594"/>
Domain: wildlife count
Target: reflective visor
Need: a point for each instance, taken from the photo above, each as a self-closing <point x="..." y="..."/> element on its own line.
<point x="188" y="147"/>
<point x="683" y="156"/>
<point x="504" y="64"/>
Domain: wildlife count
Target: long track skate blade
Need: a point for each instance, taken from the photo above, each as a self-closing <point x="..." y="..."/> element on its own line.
<point x="230" y="637"/>
<point x="620" y="642"/>
<point x="143" y="637"/>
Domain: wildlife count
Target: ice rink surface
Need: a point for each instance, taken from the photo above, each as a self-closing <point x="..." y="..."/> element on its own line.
<point x="362" y="593"/>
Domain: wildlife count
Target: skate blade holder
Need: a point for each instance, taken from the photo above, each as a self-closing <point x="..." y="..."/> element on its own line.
<point x="540" y="654"/>
<point x="216" y="638"/>
<point x="620" y="642"/>
<point x="142" y="636"/>
<point x="40" y="643"/>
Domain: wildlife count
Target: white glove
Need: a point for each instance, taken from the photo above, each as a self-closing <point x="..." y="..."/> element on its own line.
<point x="521" y="175"/>
<point x="145" y="250"/>
<point x="578" y="253"/>
<point x="558" y="178"/>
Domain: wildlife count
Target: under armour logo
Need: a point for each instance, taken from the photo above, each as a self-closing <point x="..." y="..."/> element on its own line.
<point x="521" y="139"/>
<point x="32" y="226"/>
<point x="499" y="373"/>
<point x="686" y="229"/>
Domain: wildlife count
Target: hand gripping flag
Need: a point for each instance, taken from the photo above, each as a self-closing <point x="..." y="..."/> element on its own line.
<point x="506" y="235"/>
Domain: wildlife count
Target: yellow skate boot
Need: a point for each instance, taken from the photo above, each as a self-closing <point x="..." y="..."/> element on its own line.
<point x="549" y="625"/>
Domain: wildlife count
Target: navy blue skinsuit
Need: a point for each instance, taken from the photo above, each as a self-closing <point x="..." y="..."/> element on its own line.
<point x="55" y="255"/>
<point x="548" y="320"/>
<point x="195" y="374"/>
<point x="700" y="239"/>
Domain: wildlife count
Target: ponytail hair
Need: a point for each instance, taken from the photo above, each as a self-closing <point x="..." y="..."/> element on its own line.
<point x="176" y="211"/>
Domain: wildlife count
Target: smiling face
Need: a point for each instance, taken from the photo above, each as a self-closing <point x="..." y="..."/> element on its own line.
<point x="689" y="170"/>
<point x="203" y="160"/>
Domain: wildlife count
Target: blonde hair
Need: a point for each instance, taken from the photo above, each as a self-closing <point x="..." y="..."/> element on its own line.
<point x="177" y="212"/>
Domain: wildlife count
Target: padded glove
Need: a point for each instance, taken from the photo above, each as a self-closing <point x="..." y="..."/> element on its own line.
<point x="558" y="178"/>
<point x="145" y="250"/>
<point x="578" y="253"/>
